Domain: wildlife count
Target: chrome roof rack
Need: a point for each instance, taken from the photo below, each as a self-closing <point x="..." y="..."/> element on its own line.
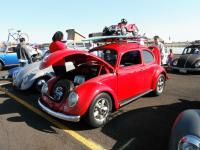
<point x="117" y="39"/>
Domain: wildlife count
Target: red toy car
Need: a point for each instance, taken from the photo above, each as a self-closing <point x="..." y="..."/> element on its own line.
<point x="102" y="81"/>
<point x="122" y="28"/>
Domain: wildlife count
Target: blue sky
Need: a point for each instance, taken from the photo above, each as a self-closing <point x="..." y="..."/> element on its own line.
<point x="179" y="19"/>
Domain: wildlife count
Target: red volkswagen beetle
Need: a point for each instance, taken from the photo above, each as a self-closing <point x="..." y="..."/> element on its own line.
<point x="101" y="81"/>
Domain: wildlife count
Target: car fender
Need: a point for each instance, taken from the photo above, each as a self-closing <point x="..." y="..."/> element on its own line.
<point x="88" y="91"/>
<point x="42" y="73"/>
<point x="35" y="75"/>
<point x="158" y="71"/>
<point x="156" y="53"/>
<point x="187" y="123"/>
<point x="195" y="60"/>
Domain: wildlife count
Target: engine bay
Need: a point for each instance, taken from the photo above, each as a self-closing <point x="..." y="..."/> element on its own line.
<point x="85" y="71"/>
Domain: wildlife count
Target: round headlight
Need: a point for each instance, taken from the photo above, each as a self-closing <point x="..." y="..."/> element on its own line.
<point x="72" y="99"/>
<point x="197" y="64"/>
<point x="44" y="88"/>
<point x="189" y="142"/>
<point x="175" y="62"/>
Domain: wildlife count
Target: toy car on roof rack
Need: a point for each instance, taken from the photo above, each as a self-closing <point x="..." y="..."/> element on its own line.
<point x="105" y="79"/>
<point x="122" y="28"/>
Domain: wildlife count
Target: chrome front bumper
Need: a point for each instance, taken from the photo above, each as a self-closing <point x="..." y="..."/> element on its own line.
<point x="59" y="115"/>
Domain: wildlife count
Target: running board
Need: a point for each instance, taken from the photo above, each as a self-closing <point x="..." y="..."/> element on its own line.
<point x="129" y="100"/>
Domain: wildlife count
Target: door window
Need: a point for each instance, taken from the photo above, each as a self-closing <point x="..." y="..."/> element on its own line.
<point x="131" y="58"/>
<point x="148" y="57"/>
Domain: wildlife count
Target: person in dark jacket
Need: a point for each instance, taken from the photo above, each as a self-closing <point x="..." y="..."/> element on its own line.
<point x="21" y="53"/>
<point x="57" y="45"/>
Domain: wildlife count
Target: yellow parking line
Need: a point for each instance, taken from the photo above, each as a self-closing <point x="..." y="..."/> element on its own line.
<point x="85" y="141"/>
<point x="5" y="83"/>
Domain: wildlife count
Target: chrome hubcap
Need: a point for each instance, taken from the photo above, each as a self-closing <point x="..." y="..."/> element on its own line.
<point x="161" y="84"/>
<point x="101" y="109"/>
<point x="41" y="82"/>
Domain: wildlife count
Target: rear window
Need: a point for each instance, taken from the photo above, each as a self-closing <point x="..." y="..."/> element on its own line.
<point x="148" y="57"/>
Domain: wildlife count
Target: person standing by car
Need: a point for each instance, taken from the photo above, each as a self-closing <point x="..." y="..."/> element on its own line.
<point x="170" y="57"/>
<point x="56" y="45"/>
<point x="22" y="52"/>
<point x="160" y="46"/>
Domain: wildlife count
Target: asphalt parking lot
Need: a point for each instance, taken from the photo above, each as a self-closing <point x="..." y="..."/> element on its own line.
<point x="143" y="124"/>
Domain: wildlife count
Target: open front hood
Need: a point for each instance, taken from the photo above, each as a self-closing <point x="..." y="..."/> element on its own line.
<point x="76" y="56"/>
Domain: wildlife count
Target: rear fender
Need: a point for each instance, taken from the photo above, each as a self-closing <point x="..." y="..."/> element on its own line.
<point x="47" y="72"/>
<point x="158" y="71"/>
<point x="156" y="53"/>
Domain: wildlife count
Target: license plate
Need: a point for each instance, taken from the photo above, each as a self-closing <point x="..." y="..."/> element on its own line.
<point x="183" y="71"/>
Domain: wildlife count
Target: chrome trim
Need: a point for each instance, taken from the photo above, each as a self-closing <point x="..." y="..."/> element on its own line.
<point x="59" y="115"/>
<point x="127" y="101"/>
<point x="188" y="69"/>
<point x="11" y="65"/>
<point x="191" y="139"/>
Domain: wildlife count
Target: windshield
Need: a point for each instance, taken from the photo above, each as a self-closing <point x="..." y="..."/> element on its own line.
<point x="192" y="50"/>
<point x="108" y="55"/>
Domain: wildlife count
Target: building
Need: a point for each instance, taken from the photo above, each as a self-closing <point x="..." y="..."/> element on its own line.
<point x="73" y="35"/>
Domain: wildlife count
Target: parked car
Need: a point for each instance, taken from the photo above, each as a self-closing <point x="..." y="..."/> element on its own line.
<point x="8" y="57"/>
<point x="15" y="70"/>
<point x="31" y="76"/>
<point x="185" y="133"/>
<point x="24" y="78"/>
<point x="189" y="60"/>
<point x="105" y="79"/>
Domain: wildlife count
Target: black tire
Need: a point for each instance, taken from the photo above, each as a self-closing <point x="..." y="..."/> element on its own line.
<point x="104" y="110"/>
<point x="160" y="85"/>
<point x="39" y="83"/>
<point x="62" y="87"/>
<point x="1" y="66"/>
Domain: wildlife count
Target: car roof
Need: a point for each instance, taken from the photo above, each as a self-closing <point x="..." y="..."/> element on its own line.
<point x="193" y="45"/>
<point x="120" y="47"/>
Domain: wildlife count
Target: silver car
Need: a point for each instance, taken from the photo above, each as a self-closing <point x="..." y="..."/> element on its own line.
<point x="31" y="76"/>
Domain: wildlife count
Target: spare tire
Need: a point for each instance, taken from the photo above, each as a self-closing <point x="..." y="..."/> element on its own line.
<point x="61" y="90"/>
